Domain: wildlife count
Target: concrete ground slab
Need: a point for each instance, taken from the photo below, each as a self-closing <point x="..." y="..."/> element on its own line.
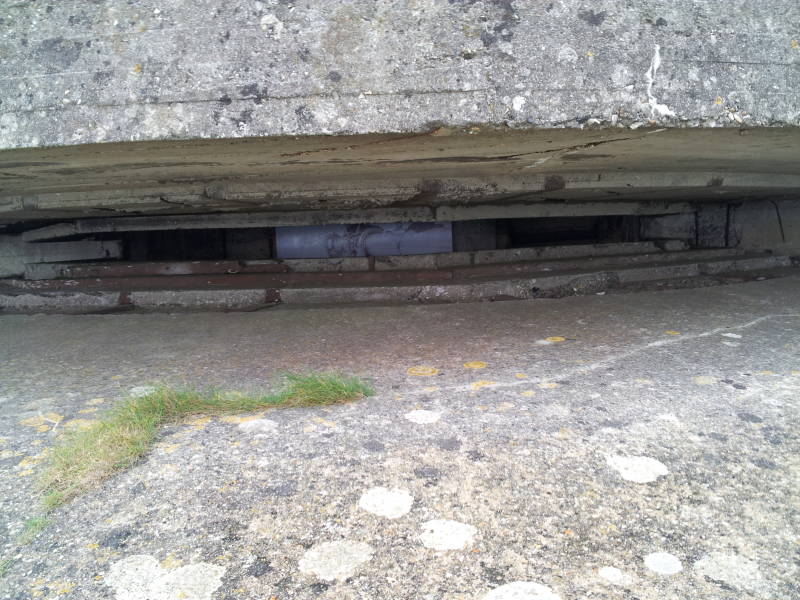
<point x="592" y="447"/>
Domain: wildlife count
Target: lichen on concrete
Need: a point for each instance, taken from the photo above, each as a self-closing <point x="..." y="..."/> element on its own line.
<point x="75" y="73"/>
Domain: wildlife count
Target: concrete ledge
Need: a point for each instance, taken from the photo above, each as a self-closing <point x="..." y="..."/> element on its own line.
<point x="59" y="301"/>
<point x="404" y="288"/>
<point x="198" y="299"/>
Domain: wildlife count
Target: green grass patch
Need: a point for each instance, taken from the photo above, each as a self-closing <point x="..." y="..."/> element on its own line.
<point x="83" y="459"/>
<point x="33" y="527"/>
<point x="5" y="565"/>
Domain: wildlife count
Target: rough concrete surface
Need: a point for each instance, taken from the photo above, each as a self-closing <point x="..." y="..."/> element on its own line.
<point x="444" y="174"/>
<point x="79" y="72"/>
<point x="592" y="447"/>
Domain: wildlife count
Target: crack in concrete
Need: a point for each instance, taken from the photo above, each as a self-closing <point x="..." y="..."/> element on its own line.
<point x="613" y="359"/>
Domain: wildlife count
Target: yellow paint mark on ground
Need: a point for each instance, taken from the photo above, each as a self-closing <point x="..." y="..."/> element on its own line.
<point x="482" y="384"/>
<point x="766" y="372"/>
<point x="548" y="385"/>
<point x="433" y="388"/>
<point x="42" y="423"/>
<point x="322" y="421"/>
<point x="80" y="424"/>
<point x="504" y="406"/>
<point x="704" y="380"/>
<point x="671" y="332"/>
<point x="198" y="423"/>
<point x="95" y="401"/>
<point x="482" y="407"/>
<point x="556" y="338"/>
<point x="116" y="377"/>
<point x="137" y="68"/>
<point x="86" y="411"/>
<point x="569" y="533"/>
<point x="92" y="546"/>
<point x="528" y="393"/>
<point x="170" y="562"/>
<point x="25" y="473"/>
<point x="719" y="101"/>
<point x="30" y="461"/>
<point x="236" y="419"/>
<point x="521" y="376"/>
<point x="564" y="433"/>
<point x="590" y="54"/>
<point x="62" y="588"/>
<point x="475" y="364"/>
<point x="607" y="529"/>
<point x="422" y="371"/>
<point x="795" y="373"/>
<point x="795" y="45"/>
<point x="645" y="381"/>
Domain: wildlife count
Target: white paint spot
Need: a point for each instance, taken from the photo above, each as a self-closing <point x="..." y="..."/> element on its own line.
<point x="704" y="380"/>
<point x="335" y="560"/>
<point x="732" y="569"/>
<point x="261" y="426"/>
<point x="612" y="575"/>
<point x="272" y="25"/>
<point x="639" y="469"/>
<point x="423" y="417"/>
<point x="567" y="54"/>
<point x="384" y="502"/>
<point x="650" y="77"/>
<point x="518" y="102"/>
<point x="441" y="534"/>
<point x="669" y="418"/>
<point x="733" y="336"/>
<point x="140" y="577"/>
<point x="663" y="563"/>
<point x="731" y="344"/>
<point x="522" y="590"/>
<point x="140" y="391"/>
<point x="543" y="342"/>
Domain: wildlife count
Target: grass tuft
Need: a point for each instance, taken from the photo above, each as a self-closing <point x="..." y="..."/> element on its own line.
<point x="5" y="565"/>
<point x="317" y="389"/>
<point x="83" y="459"/>
<point x="33" y="527"/>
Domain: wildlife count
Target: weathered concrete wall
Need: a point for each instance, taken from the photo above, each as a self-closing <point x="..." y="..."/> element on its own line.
<point x="74" y="72"/>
